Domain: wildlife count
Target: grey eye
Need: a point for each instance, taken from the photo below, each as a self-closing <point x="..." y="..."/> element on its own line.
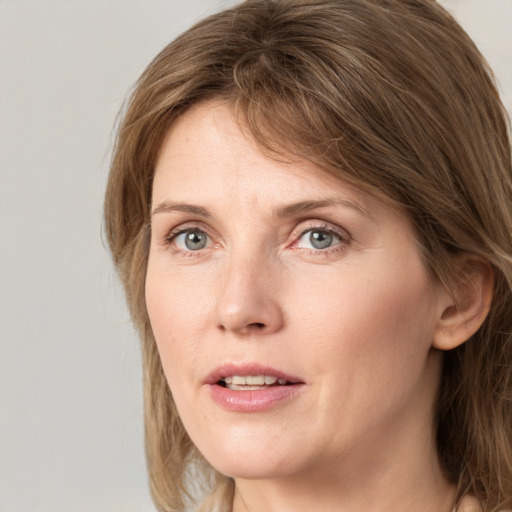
<point x="320" y="239"/>
<point x="317" y="239"/>
<point x="192" y="240"/>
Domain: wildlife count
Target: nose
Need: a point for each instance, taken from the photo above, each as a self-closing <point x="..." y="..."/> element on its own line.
<point x="248" y="298"/>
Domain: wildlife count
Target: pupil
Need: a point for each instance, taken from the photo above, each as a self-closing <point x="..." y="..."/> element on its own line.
<point x="195" y="240"/>
<point x="320" y="239"/>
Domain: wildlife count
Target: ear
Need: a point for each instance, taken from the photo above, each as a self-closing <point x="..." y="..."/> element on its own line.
<point x="466" y="305"/>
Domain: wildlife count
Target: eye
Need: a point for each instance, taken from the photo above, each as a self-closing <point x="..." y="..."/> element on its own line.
<point x="318" y="239"/>
<point x="190" y="240"/>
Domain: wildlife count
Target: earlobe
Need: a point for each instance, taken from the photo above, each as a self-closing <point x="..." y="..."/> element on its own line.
<point x="467" y="305"/>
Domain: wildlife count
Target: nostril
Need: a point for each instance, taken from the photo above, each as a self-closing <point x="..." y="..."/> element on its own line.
<point x="252" y="326"/>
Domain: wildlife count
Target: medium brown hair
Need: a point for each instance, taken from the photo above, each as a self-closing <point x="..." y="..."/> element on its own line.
<point x="391" y="95"/>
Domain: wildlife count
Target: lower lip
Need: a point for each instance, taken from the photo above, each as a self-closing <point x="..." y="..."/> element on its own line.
<point x="255" y="400"/>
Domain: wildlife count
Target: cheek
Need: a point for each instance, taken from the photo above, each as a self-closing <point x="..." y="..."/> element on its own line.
<point x="178" y="312"/>
<point x="370" y="318"/>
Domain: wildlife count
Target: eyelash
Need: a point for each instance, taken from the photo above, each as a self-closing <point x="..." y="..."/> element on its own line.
<point x="170" y="239"/>
<point x="343" y="236"/>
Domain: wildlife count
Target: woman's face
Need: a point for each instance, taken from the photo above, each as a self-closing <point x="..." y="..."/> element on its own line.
<point x="292" y="311"/>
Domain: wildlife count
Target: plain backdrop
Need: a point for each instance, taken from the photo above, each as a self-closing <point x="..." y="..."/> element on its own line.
<point x="71" y="436"/>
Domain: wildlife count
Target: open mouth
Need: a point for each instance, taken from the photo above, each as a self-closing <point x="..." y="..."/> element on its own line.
<point x="251" y="382"/>
<point x="252" y="387"/>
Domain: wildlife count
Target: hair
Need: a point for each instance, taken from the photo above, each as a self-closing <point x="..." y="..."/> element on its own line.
<point x="391" y="95"/>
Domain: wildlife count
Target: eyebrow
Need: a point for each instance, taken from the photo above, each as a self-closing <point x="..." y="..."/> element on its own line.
<point x="304" y="206"/>
<point x="167" y="207"/>
<point x="290" y="210"/>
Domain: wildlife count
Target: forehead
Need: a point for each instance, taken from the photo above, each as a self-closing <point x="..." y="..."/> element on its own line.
<point x="208" y="154"/>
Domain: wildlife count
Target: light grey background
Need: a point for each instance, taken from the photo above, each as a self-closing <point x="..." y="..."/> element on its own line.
<point x="71" y="436"/>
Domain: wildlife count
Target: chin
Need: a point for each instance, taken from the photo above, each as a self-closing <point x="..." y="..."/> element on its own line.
<point x="252" y="461"/>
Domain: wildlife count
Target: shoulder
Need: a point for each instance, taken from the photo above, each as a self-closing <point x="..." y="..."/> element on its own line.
<point x="469" y="504"/>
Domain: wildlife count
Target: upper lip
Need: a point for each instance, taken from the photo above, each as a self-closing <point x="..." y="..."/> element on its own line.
<point x="230" y="369"/>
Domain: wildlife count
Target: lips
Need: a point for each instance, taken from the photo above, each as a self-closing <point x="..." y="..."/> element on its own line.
<point x="251" y="387"/>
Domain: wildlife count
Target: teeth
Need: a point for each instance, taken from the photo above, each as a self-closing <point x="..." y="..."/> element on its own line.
<point x="235" y="387"/>
<point x="249" y="382"/>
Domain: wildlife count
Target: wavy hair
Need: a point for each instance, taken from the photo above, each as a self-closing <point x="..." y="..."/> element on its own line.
<point x="391" y="95"/>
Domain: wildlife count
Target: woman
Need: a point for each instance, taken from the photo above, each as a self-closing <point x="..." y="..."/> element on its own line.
<point x="310" y="209"/>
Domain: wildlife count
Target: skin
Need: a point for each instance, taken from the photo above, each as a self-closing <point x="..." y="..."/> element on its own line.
<point x="354" y="321"/>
